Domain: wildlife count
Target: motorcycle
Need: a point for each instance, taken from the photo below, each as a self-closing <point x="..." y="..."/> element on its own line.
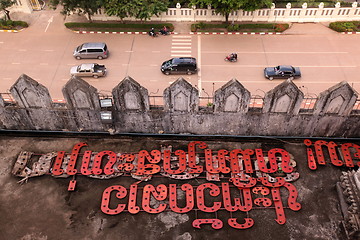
<point x="152" y="33"/>
<point x="231" y="58"/>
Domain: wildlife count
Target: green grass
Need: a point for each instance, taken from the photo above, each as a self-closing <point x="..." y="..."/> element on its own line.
<point x="245" y="27"/>
<point x="12" y="25"/>
<point x="353" y="26"/>
<point x="117" y="27"/>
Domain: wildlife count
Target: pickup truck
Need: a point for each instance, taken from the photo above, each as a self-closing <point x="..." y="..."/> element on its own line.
<point x="88" y="70"/>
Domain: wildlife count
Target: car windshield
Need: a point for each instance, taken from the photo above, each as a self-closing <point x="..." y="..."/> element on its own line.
<point x="167" y="63"/>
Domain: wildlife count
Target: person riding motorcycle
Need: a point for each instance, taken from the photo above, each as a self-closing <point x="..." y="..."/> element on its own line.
<point x="164" y="31"/>
<point x="152" y="33"/>
<point x="232" y="57"/>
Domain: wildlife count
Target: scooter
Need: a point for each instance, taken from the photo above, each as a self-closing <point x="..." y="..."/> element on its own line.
<point x="230" y="58"/>
<point x="152" y="33"/>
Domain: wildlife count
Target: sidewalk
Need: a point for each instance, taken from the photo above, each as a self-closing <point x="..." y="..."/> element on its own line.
<point x="180" y="27"/>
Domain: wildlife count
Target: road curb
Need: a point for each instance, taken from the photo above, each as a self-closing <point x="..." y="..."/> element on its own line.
<point x="235" y="33"/>
<point x="175" y="33"/>
<point x="12" y="31"/>
<point x="95" y="32"/>
<point x="350" y="33"/>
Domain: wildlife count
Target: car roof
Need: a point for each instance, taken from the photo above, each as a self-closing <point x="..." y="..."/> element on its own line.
<point x="94" y="45"/>
<point x="184" y="59"/>
<point x="86" y="66"/>
<point x="286" y="68"/>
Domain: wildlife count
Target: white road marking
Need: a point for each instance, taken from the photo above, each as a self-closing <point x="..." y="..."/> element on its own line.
<point x="22" y="50"/>
<point x="181" y="43"/>
<point x="181" y="55"/>
<point x="129" y="51"/>
<point x="16" y="63"/>
<point x="154" y="65"/>
<point x="1" y="42"/>
<point x="239" y="52"/>
<point x="155" y="51"/>
<point x="179" y="36"/>
<point x="181" y="47"/>
<point x="44" y="64"/>
<point x="154" y="80"/>
<point x="182" y="40"/>
<point x="256" y="66"/>
<point x="48" y="50"/>
<point x="199" y="64"/>
<point x="49" y="22"/>
<point x="180" y="51"/>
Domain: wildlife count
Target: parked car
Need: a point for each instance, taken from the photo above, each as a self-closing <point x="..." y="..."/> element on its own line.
<point x="282" y="71"/>
<point x="179" y="65"/>
<point x="91" y="50"/>
<point x="88" y="70"/>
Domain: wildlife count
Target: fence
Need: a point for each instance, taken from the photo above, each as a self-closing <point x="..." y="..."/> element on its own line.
<point x="288" y="14"/>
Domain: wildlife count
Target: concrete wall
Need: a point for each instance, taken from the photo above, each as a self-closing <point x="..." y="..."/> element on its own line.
<point x="281" y="114"/>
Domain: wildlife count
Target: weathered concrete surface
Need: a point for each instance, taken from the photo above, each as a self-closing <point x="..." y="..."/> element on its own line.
<point x="44" y="209"/>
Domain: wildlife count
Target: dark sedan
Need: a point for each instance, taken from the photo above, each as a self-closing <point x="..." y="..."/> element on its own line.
<point x="282" y="71"/>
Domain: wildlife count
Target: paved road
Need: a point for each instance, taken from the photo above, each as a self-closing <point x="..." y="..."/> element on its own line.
<point x="44" y="52"/>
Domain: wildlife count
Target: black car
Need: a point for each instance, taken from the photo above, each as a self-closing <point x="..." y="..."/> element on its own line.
<point x="179" y="65"/>
<point x="282" y="71"/>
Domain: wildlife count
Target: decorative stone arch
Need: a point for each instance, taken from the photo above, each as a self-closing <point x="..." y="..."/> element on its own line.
<point x="28" y="93"/>
<point x="81" y="95"/>
<point x="284" y="98"/>
<point x="339" y="99"/>
<point x="232" y="97"/>
<point x="129" y="95"/>
<point x="180" y="96"/>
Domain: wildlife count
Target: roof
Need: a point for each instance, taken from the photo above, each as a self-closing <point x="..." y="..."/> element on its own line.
<point x="86" y="66"/>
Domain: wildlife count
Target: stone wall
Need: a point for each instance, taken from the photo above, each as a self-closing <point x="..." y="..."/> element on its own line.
<point x="333" y="114"/>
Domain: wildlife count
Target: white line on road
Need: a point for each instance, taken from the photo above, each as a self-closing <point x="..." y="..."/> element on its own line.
<point x="16" y="63"/>
<point x="154" y="65"/>
<point x="182" y="40"/>
<point x="181" y="55"/>
<point x="178" y="36"/>
<point x="44" y="64"/>
<point x="256" y="66"/>
<point x="239" y="52"/>
<point x="155" y="51"/>
<point x="180" y="51"/>
<point x="181" y="47"/>
<point x="48" y="50"/>
<point x="1" y="42"/>
<point x="181" y="43"/>
<point x="49" y="21"/>
<point x="129" y="51"/>
<point x="22" y="50"/>
<point x="199" y="64"/>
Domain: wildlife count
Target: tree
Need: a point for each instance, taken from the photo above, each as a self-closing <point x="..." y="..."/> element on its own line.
<point x="140" y="9"/>
<point x="4" y="4"/>
<point x="87" y="7"/>
<point x="251" y="5"/>
<point x="225" y="7"/>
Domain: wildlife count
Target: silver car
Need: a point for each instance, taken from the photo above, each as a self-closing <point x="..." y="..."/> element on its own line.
<point x="91" y="50"/>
